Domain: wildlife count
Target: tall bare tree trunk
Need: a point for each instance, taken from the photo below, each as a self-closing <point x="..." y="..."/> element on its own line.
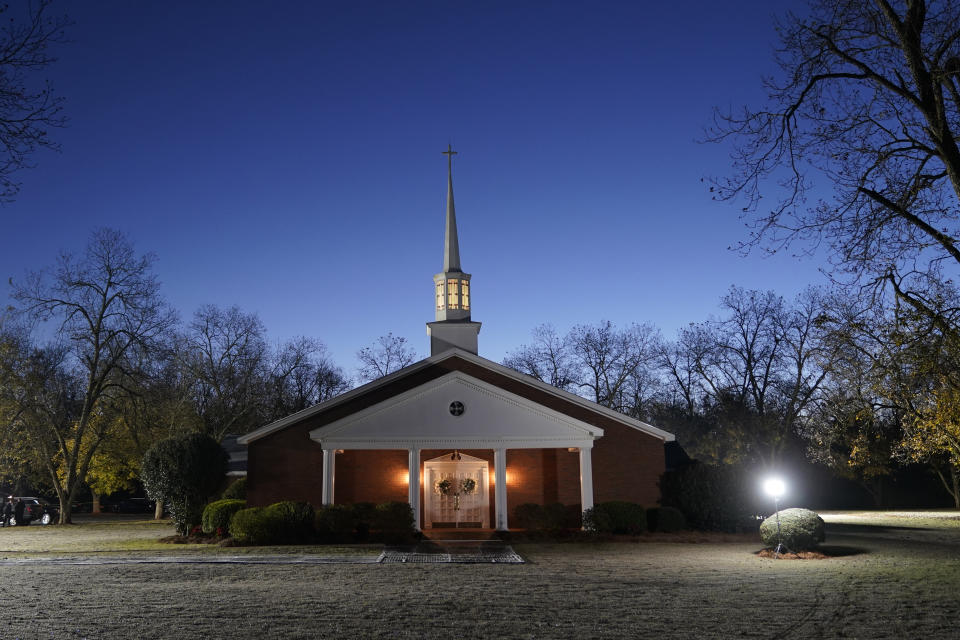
<point x="956" y="486"/>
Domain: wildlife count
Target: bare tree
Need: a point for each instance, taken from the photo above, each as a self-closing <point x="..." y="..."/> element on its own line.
<point x="752" y="374"/>
<point x="548" y="359"/>
<point x="867" y="101"/>
<point x="389" y="354"/>
<point x="108" y="312"/>
<point x="302" y="375"/>
<point x="225" y="356"/>
<point x="611" y="361"/>
<point x="26" y="112"/>
<point x="613" y="367"/>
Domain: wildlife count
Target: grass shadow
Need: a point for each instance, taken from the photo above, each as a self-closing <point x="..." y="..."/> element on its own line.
<point x="840" y="551"/>
<point x="840" y="528"/>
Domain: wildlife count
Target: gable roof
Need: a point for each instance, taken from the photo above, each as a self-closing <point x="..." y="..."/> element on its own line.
<point x="489" y="417"/>
<point x="473" y="365"/>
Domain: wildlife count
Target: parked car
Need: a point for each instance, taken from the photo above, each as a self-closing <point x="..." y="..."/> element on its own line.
<point x="34" y="511"/>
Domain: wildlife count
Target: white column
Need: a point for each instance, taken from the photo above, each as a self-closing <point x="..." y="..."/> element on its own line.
<point x="586" y="478"/>
<point x="413" y="484"/>
<point x="500" y="487"/>
<point x="329" y="457"/>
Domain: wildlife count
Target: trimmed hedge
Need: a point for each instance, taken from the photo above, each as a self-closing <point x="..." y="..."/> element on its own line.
<point x="237" y="490"/>
<point x="665" y="519"/>
<point x="553" y="517"/>
<point x="216" y="515"/>
<point x="389" y="521"/>
<point x="365" y="514"/>
<point x="336" y="522"/>
<point x="616" y="516"/>
<point x="393" y="518"/>
<point x="800" y="530"/>
<point x="294" y="521"/>
<point x="253" y="526"/>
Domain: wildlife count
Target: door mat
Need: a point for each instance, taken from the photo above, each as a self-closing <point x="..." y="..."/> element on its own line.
<point x="459" y="551"/>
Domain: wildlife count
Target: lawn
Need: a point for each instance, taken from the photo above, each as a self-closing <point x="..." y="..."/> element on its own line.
<point x="891" y="582"/>
<point x="117" y="536"/>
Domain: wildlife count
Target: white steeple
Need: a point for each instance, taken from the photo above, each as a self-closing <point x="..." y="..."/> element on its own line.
<point x="452" y="327"/>
<point x="451" y="244"/>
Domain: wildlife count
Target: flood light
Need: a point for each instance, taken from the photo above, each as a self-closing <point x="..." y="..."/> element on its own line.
<point x="774" y="487"/>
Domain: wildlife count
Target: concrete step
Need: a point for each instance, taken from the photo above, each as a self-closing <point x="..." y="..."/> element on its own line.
<point x="459" y="534"/>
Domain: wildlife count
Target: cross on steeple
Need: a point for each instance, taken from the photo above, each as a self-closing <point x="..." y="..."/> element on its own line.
<point x="451" y="247"/>
<point x="449" y="153"/>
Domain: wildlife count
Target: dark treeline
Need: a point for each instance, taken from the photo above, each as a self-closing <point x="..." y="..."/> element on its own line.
<point x="821" y="380"/>
<point x="856" y="387"/>
<point x="122" y="372"/>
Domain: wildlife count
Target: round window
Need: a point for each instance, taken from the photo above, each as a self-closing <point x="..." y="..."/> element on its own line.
<point x="456" y="408"/>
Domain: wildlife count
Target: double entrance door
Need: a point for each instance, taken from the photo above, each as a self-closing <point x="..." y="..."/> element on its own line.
<point x="456" y="492"/>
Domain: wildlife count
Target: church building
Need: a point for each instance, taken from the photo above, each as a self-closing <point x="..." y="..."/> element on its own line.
<point x="461" y="438"/>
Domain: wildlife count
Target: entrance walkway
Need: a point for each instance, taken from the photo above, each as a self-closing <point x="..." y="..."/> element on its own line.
<point x="427" y="551"/>
<point x="196" y="559"/>
<point x="454" y="551"/>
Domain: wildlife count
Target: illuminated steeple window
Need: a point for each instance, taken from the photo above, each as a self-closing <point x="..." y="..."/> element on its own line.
<point x="453" y="294"/>
<point x="465" y="294"/>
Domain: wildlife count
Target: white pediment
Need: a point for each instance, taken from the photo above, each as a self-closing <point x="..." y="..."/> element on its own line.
<point x="421" y="417"/>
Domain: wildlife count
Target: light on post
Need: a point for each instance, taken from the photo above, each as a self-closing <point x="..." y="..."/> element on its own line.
<point x="775" y="487"/>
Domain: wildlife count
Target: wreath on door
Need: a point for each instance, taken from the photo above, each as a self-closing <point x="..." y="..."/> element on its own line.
<point x="445" y="487"/>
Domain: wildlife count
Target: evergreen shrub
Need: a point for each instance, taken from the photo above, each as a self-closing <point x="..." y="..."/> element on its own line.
<point x="365" y="514"/>
<point x="393" y="517"/>
<point x="253" y="526"/>
<point x="237" y="490"/>
<point x="596" y="520"/>
<point x="294" y="521"/>
<point x="184" y="471"/>
<point x="216" y="515"/>
<point x="553" y="517"/>
<point x="800" y="530"/>
<point x="619" y="516"/>
<point x="337" y="522"/>
<point x="528" y="516"/>
<point x="711" y="498"/>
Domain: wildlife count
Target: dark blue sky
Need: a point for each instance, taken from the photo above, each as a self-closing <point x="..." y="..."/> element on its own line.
<point x="285" y="157"/>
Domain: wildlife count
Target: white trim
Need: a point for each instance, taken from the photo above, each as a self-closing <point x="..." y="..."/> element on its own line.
<point x="469" y="357"/>
<point x="454" y="443"/>
<point x="328" y="475"/>
<point x="413" y="484"/>
<point x="586" y="479"/>
<point x="500" y="487"/>
<point x="551" y="429"/>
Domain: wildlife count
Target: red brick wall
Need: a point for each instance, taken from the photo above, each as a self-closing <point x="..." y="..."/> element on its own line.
<point x="286" y="465"/>
<point x="370" y="476"/>
<point x="542" y="476"/>
<point x="627" y="465"/>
